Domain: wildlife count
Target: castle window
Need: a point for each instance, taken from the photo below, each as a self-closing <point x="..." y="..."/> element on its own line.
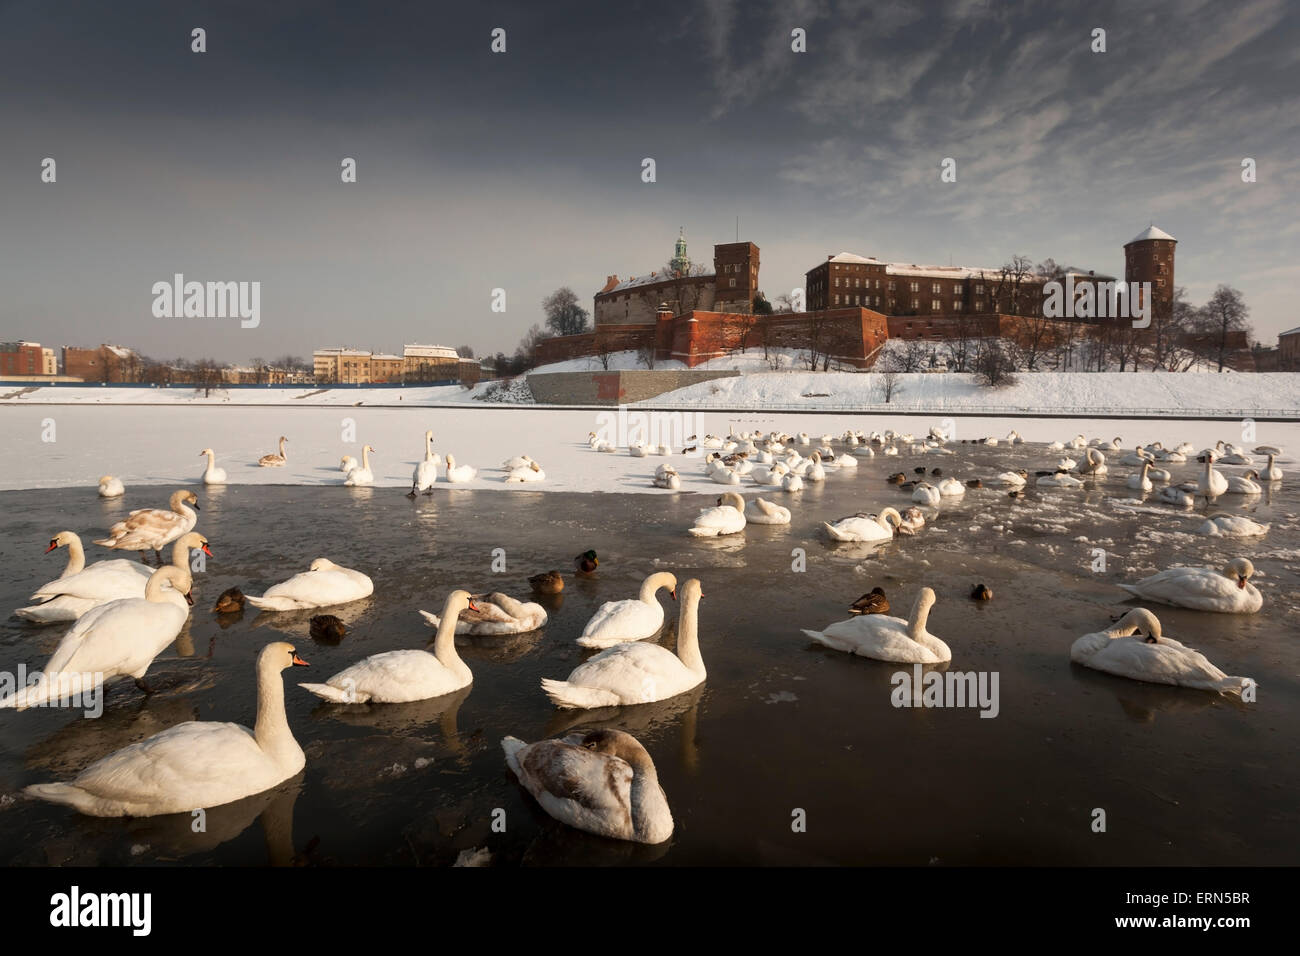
<point x="935" y="288"/>
<point x="855" y="300"/>
<point x="956" y="305"/>
<point x="936" y="305"/>
<point x="893" y="287"/>
<point x="916" y="303"/>
<point x="979" y="289"/>
<point x="837" y="282"/>
<point x="837" y="298"/>
<point x="733" y="283"/>
<point x="916" y="287"/>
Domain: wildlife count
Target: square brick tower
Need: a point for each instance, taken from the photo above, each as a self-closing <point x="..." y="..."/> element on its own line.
<point x="1149" y="257"/>
<point x="735" y="265"/>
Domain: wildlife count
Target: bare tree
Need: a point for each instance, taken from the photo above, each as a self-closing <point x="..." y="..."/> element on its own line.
<point x="205" y="374"/>
<point x="564" y="316"/>
<point x="603" y="349"/>
<point x="890" y="377"/>
<point x="1225" y="313"/>
<point x="993" y="364"/>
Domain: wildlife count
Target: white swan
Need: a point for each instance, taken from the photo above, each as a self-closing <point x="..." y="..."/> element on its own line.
<point x="666" y="477"/>
<point x="531" y="472"/>
<point x="864" y="527"/>
<point x="1136" y="457"/>
<point x="1271" y="471"/>
<point x="150" y="528"/>
<point x="1012" y="479"/>
<point x="194" y="764"/>
<point x="762" y="511"/>
<point x="425" y="474"/>
<point x="398" y="677"/>
<point x="1243" y="485"/>
<point x="1202" y="589"/>
<point x="1140" y="481"/>
<point x="275" y="460"/>
<point x="723" y="475"/>
<point x="459" y="474"/>
<point x="110" y="487"/>
<point x="726" y="518"/>
<point x="120" y="638"/>
<point x="951" y="488"/>
<point x="638" y="673"/>
<point x="815" y="471"/>
<point x="1156" y="659"/>
<point x="1232" y="526"/>
<point x="495" y="614"/>
<point x="325" y="584"/>
<point x="1211" y="483"/>
<point x="347" y="463"/>
<point x="1172" y="495"/>
<point x="885" y="638"/>
<point x="212" y="475"/>
<point x="926" y="494"/>
<point x="616" y="622"/>
<point x="773" y="476"/>
<point x="519" y="461"/>
<point x="603" y="782"/>
<point x="1095" y="463"/>
<point x="361" y="475"/>
<point x="81" y="589"/>
<point x="1059" y="480"/>
<point x="792" y="483"/>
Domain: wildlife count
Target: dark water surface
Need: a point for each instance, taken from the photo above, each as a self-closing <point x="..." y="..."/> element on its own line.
<point x="1184" y="777"/>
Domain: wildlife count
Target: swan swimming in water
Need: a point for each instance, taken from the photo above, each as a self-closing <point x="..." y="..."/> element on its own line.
<point x="884" y="638"/>
<point x="603" y="782"/>
<point x="110" y="487"/>
<point x="495" y="614"/>
<point x="863" y="527"/>
<point x="1155" y="659"/>
<point x="635" y="619"/>
<point x="638" y="672"/>
<point x="1201" y="589"/>
<point x="762" y="511"/>
<point x="151" y="528"/>
<point x="399" y="677"/>
<point x="194" y="764"/>
<point x="326" y="583"/>
<point x="1232" y="526"/>
<point x="726" y="518"/>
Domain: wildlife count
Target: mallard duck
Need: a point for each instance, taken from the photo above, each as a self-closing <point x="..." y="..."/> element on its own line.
<point x="936" y="472"/>
<point x="586" y="562"/>
<point x="873" y="602"/>
<point x="919" y="471"/>
<point x="974" y="483"/>
<point x="231" y="600"/>
<point x="549" y="582"/>
<point x="981" y="593"/>
<point x="897" y="478"/>
<point x="1018" y="493"/>
<point x="327" y="629"/>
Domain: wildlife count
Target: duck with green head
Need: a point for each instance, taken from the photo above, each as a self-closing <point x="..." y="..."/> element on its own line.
<point x="586" y="563"/>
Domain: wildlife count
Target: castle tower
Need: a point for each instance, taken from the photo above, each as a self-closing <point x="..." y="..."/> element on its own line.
<point x="735" y="266"/>
<point x="680" y="263"/>
<point x="1149" y="257"/>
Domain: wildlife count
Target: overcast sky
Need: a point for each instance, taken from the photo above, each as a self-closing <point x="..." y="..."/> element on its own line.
<point x="522" y="170"/>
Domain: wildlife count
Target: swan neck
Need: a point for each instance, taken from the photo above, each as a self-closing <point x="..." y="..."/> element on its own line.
<point x="181" y="554"/>
<point x="920" y="617"/>
<point x="444" y="642"/>
<point x="688" y="637"/>
<point x="76" y="557"/>
<point x="272" y="728"/>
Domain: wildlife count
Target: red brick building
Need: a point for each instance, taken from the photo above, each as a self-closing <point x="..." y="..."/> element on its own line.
<point x="108" y="363"/>
<point x="23" y="358"/>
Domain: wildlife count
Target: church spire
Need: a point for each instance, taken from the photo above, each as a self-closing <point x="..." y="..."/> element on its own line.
<point x="680" y="262"/>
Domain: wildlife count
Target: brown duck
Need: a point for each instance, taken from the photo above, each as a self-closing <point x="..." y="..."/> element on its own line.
<point x="873" y="602"/>
<point x="549" y="582"/>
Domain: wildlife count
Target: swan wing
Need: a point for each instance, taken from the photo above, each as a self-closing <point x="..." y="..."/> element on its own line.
<point x="636" y="672"/>
<point x="99" y="583"/>
<point x="586" y="790"/>
<point x="630" y="620"/>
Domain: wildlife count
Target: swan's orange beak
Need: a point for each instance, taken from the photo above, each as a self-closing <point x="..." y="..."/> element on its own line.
<point x="673" y="592"/>
<point x="207" y="552"/>
<point x="1241" y="583"/>
<point x="473" y="606"/>
<point x="189" y="598"/>
<point x="53" y="545"/>
<point x="299" y="662"/>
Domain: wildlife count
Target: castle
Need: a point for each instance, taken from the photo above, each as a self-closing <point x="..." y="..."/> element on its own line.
<point x="691" y="313"/>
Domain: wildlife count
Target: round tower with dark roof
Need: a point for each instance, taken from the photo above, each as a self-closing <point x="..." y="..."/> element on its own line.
<point x="1149" y="257"/>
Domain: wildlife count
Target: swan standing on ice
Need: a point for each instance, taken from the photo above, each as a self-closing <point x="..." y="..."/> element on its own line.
<point x="635" y="619"/>
<point x="151" y="528"/>
<point x="212" y="475"/>
<point x="361" y="475"/>
<point x="81" y="589"/>
<point x="1232" y="526"/>
<point x="117" y="639"/>
<point x="199" y="763"/>
<point x="398" y="677"/>
<point x="885" y="638"/>
<point x="459" y="474"/>
<point x="277" y="460"/>
<point x="325" y="584"/>
<point x="863" y="527"/>
<point x="110" y="487"/>
<point x="762" y="511"/>
<point x="603" y="782"/>
<point x="495" y="614"/>
<point x="1155" y="659"/>
<point x="425" y="474"/>
<point x="1202" y="589"/>
<point x="638" y="673"/>
<point x="1271" y="471"/>
<point x="727" y="518"/>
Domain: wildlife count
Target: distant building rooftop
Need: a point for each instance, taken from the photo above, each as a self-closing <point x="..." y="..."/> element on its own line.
<point x="1150" y="232"/>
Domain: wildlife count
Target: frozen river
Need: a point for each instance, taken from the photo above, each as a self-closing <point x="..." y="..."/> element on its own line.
<point x="1184" y="777"/>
